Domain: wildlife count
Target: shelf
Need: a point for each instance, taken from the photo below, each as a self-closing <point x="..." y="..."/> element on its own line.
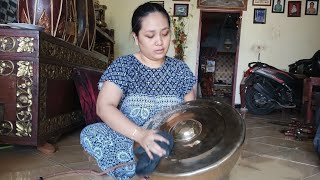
<point x="104" y="34"/>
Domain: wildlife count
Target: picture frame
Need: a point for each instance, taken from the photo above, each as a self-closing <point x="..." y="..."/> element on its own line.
<point x="158" y="2"/>
<point x="181" y="10"/>
<point x="259" y="15"/>
<point x="278" y="6"/>
<point x="312" y="7"/>
<point x="229" y="5"/>
<point x="294" y="8"/>
<point x="261" y="2"/>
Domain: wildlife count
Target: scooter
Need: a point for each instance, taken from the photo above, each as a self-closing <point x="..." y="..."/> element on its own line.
<point x="268" y="88"/>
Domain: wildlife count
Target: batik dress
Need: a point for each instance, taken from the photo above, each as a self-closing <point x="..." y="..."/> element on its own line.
<point x="146" y="91"/>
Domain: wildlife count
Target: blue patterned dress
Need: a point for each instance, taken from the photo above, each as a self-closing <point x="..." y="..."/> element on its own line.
<point x="146" y="91"/>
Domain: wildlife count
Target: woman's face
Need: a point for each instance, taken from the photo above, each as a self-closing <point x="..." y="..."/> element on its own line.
<point x="154" y="37"/>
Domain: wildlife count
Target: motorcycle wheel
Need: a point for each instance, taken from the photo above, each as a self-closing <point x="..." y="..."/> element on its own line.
<point x="257" y="103"/>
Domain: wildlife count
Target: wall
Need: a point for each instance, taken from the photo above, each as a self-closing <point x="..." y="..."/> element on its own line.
<point x="118" y="17"/>
<point x="286" y="39"/>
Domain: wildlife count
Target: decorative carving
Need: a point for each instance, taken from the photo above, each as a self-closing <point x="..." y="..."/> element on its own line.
<point x="54" y="124"/>
<point x="6" y="127"/>
<point x="61" y="53"/>
<point x="44" y="22"/>
<point x="49" y="71"/>
<point x="16" y="44"/>
<point x="71" y="24"/>
<point x="25" y="44"/>
<point x="7" y="43"/>
<point x="6" y="68"/>
<point x="49" y="14"/>
<point x="24" y="98"/>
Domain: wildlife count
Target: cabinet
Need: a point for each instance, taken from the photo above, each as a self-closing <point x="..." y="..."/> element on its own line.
<point x="38" y="99"/>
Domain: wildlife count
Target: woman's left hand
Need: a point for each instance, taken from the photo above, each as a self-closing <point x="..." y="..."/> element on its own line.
<point x="148" y="140"/>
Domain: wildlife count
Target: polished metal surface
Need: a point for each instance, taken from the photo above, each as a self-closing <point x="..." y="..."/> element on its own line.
<point x="208" y="136"/>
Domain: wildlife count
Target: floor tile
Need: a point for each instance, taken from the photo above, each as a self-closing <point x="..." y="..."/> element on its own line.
<point x="305" y="157"/>
<point x="79" y="176"/>
<point x="84" y="165"/>
<point x="278" y="142"/>
<point x="32" y="173"/>
<point x="263" y="168"/>
<point x="313" y="177"/>
<point x="22" y="160"/>
<point x="246" y="154"/>
<point x="257" y="124"/>
<point x="69" y="154"/>
<point x="265" y="131"/>
<point x="261" y="148"/>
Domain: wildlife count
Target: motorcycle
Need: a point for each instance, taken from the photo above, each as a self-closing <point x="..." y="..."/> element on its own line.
<point x="268" y="88"/>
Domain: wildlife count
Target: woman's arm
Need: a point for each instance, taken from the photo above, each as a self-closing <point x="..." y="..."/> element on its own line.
<point x="190" y="96"/>
<point x="107" y="109"/>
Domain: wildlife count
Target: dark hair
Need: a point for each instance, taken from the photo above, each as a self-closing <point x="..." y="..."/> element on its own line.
<point x="143" y="11"/>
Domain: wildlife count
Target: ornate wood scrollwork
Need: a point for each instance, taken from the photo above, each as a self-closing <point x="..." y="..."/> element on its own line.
<point x="61" y="53"/>
<point x="49" y="71"/>
<point x="23" y="97"/>
<point x="16" y="44"/>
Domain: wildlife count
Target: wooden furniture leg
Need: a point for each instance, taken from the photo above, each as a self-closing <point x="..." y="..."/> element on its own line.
<point x="47" y="148"/>
<point x="308" y="85"/>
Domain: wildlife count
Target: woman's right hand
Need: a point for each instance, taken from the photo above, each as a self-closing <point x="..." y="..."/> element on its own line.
<point x="146" y="138"/>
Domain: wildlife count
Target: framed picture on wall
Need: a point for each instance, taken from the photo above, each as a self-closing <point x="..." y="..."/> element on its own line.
<point x="294" y="8"/>
<point x="278" y="6"/>
<point x="259" y="16"/>
<point x="181" y="10"/>
<point x="312" y="7"/>
<point x="158" y="2"/>
<point x="218" y="4"/>
<point x="261" y="2"/>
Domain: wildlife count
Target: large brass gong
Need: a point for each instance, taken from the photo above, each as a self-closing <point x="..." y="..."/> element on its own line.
<point x="208" y="136"/>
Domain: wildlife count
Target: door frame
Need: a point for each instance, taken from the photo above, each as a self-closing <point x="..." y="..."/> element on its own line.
<point x="235" y="71"/>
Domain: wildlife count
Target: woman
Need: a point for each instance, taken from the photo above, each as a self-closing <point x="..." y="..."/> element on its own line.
<point x="133" y="89"/>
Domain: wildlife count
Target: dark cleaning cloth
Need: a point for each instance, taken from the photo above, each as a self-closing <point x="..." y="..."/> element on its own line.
<point x="145" y="165"/>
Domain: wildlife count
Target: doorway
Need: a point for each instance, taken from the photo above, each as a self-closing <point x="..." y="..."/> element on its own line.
<point x="218" y="56"/>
